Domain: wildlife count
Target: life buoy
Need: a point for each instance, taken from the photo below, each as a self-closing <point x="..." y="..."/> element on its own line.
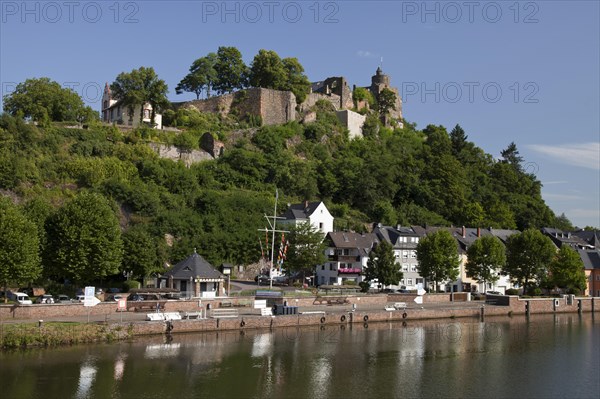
<point x="404" y="315"/>
<point x="322" y="319"/>
<point x="242" y="323"/>
<point x="366" y="318"/>
<point x="343" y="318"/>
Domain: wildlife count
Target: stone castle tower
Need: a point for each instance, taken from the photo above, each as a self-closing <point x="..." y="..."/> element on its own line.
<point x="381" y="81"/>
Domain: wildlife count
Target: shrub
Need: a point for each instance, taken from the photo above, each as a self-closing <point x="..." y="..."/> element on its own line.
<point x="131" y="284"/>
<point x="512" y="291"/>
<point x="534" y="291"/>
<point x="364" y="286"/>
<point x="349" y="282"/>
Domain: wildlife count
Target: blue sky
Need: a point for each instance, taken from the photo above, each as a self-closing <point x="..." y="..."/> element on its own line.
<point x="526" y="71"/>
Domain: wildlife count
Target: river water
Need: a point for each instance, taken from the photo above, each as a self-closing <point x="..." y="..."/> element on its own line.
<point x="543" y="357"/>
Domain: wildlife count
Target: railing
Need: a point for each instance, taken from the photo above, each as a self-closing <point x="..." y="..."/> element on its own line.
<point x="350" y="271"/>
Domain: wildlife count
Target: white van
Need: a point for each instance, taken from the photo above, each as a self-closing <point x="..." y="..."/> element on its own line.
<point x="21" y="298"/>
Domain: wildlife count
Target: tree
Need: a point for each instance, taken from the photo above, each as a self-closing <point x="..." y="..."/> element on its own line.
<point x="306" y="248"/>
<point x="562" y="222"/>
<point x="267" y="70"/>
<point x="296" y="81"/>
<point x="382" y="266"/>
<point x="84" y="240"/>
<point x="138" y="87"/>
<point x="485" y="258"/>
<point x="19" y="247"/>
<point x="528" y="255"/>
<point x="438" y="257"/>
<point x="458" y="139"/>
<point x="141" y="255"/>
<point x="386" y="101"/>
<point x="511" y="156"/>
<point x="44" y="100"/>
<point x="231" y="71"/>
<point x="202" y="76"/>
<point x="567" y="271"/>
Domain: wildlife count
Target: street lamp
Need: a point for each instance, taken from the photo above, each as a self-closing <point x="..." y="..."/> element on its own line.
<point x="227" y="272"/>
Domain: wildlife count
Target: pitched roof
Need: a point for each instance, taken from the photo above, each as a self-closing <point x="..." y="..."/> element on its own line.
<point x="591" y="237"/>
<point x="301" y="211"/>
<point x="591" y="259"/>
<point x="193" y="266"/>
<point x="343" y="239"/>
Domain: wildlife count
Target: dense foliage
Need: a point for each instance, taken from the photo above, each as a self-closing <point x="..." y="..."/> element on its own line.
<point x="438" y="257"/>
<point x="485" y="259"/>
<point x="402" y="176"/>
<point x="382" y="266"/>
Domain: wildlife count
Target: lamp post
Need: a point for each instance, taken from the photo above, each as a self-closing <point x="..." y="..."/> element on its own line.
<point x="227" y="272"/>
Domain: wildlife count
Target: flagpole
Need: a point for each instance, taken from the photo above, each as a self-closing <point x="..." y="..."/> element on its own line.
<point x="273" y="239"/>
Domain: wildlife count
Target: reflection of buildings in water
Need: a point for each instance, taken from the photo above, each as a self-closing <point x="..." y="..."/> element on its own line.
<point x="87" y="375"/>
<point x="120" y="366"/>
<point x="162" y="351"/>
<point x="320" y="378"/>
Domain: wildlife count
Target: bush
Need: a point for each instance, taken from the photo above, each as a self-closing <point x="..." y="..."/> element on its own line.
<point x="534" y="291"/>
<point x="512" y="291"/>
<point x="364" y="286"/>
<point x="348" y="282"/>
<point x="131" y="284"/>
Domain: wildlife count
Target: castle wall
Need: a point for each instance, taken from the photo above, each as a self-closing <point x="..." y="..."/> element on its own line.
<point x="312" y="98"/>
<point x="273" y="106"/>
<point x="352" y="121"/>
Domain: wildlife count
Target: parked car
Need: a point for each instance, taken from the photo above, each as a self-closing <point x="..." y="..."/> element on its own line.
<point x="136" y="297"/>
<point x="115" y="298"/>
<point x="79" y="298"/>
<point x="262" y="279"/>
<point x="494" y="293"/>
<point x="21" y="298"/>
<point x="44" y="299"/>
<point x="62" y="299"/>
<point x="476" y="295"/>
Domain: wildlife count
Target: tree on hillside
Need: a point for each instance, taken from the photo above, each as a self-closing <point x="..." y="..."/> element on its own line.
<point x="306" y="248"/>
<point x="19" y="247"/>
<point x="267" y="70"/>
<point x="485" y="259"/>
<point x="201" y="77"/>
<point x="438" y="257"/>
<point x="138" y="87"/>
<point x="296" y="81"/>
<point x="84" y="240"/>
<point x="511" y="156"/>
<point x="382" y="266"/>
<point x="44" y="100"/>
<point x="528" y="255"/>
<point x="566" y="271"/>
<point x="386" y="102"/>
<point x="231" y="71"/>
<point x="458" y="138"/>
<point x="141" y="255"/>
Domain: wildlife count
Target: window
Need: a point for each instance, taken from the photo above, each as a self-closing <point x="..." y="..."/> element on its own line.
<point x="320" y="226"/>
<point x="413" y="254"/>
<point x="419" y="281"/>
<point x="146" y="114"/>
<point x="323" y="267"/>
<point x="404" y="267"/>
<point x="413" y="268"/>
<point x="409" y="281"/>
<point x="346" y="252"/>
<point x="405" y="254"/>
<point x="416" y="239"/>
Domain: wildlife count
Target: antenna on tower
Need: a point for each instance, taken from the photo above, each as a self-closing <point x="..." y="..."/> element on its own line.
<point x="381" y="63"/>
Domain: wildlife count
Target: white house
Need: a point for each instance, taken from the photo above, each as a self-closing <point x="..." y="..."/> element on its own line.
<point x="347" y="255"/>
<point x="316" y="213"/>
<point x="114" y="112"/>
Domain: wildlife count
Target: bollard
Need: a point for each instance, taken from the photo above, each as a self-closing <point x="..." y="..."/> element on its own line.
<point x="482" y="312"/>
<point x="40" y="323"/>
<point x="579" y="306"/>
<point x="527" y="308"/>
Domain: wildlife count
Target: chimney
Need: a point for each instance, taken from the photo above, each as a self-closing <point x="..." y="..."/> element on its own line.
<point x="478" y="232"/>
<point x="305" y="204"/>
<point x="464" y="232"/>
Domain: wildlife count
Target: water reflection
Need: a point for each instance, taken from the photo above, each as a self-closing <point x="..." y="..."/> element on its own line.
<point x="541" y="357"/>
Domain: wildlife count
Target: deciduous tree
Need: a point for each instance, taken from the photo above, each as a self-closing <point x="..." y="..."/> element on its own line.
<point x="84" y="240"/>
<point x="437" y="254"/>
<point x="201" y="77"/>
<point x="528" y="255"/>
<point x="232" y="72"/>
<point x="566" y="270"/>
<point x="19" y="247"/>
<point x="485" y="259"/>
<point x="306" y="248"/>
<point x="382" y="266"/>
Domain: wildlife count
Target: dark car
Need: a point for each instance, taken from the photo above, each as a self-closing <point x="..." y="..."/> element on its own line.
<point x="62" y="299"/>
<point x="262" y="279"/>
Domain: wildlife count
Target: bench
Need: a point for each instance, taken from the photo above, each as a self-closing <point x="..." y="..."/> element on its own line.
<point x="223" y="313"/>
<point x="155" y="317"/>
<point x="400" y="305"/>
<point x="172" y="316"/>
<point x="192" y="315"/>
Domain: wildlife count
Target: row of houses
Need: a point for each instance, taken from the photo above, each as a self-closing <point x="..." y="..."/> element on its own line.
<point x="348" y="252"/>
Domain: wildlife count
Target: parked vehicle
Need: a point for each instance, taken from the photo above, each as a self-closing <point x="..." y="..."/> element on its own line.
<point x="494" y="293"/>
<point x="79" y="298"/>
<point x="62" y="299"/>
<point x="45" y="299"/>
<point x="262" y="279"/>
<point x="20" y="297"/>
